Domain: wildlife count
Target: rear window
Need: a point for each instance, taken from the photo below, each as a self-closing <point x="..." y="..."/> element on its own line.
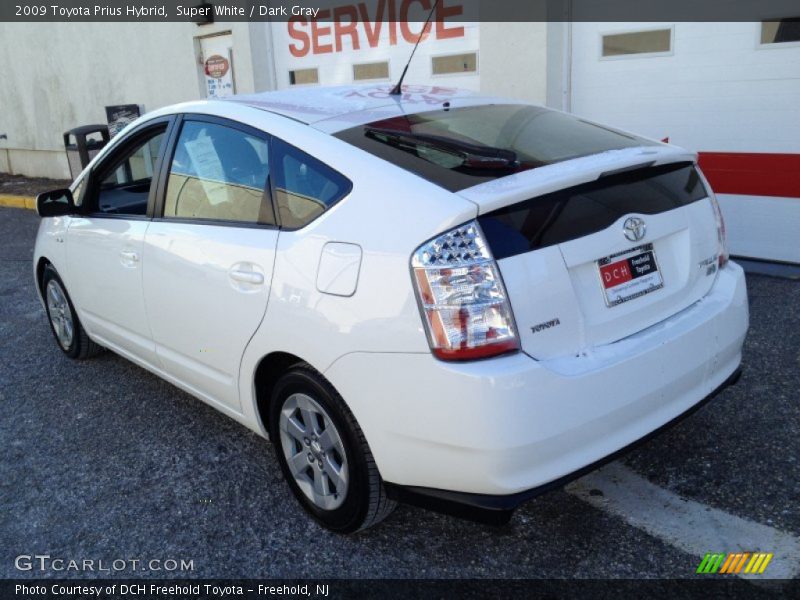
<point x="461" y="147"/>
<point x="574" y="212"/>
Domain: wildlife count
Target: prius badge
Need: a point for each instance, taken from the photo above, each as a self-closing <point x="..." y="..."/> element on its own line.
<point x="634" y="228"/>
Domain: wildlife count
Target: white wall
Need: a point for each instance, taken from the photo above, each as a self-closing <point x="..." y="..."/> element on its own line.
<point x="57" y="76"/>
<point x="514" y="60"/>
<point x="512" y="57"/>
<point x="336" y="66"/>
<point x="718" y="90"/>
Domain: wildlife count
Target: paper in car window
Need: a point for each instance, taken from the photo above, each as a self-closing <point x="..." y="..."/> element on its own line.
<point x="208" y="167"/>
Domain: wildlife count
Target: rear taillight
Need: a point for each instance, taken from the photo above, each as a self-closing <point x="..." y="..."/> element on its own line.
<point x="721" y="235"/>
<point x="462" y="298"/>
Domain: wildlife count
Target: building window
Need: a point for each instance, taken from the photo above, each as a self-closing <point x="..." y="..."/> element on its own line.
<point x="779" y="32"/>
<point x="377" y="70"/>
<point x="658" y="41"/>
<point x="303" y="76"/>
<point x="455" y="63"/>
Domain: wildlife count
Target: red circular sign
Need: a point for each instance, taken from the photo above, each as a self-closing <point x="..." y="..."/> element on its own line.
<point x="217" y="66"/>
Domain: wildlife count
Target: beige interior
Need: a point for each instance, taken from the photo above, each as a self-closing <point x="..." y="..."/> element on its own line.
<point x="297" y="210"/>
<point x="194" y="198"/>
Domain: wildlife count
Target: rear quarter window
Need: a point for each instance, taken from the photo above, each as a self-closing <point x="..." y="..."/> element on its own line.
<point x="304" y="186"/>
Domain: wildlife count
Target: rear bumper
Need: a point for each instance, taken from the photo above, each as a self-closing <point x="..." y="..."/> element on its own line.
<point x="510" y="425"/>
<point x="497" y="510"/>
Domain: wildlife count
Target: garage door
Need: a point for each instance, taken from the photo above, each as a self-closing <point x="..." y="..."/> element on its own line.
<point x="730" y="91"/>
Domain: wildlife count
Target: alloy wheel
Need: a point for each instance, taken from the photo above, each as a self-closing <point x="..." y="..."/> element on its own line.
<point x="60" y="314"/>
<point x="314" y="451"/>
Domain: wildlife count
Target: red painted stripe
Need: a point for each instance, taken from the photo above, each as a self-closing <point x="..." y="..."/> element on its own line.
<point x="752" y="174"/>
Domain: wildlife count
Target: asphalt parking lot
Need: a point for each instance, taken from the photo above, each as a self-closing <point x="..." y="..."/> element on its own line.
<point x="103" y="460"/>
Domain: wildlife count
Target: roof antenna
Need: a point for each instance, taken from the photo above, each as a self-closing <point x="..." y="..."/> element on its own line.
<point x="396" y="89"/>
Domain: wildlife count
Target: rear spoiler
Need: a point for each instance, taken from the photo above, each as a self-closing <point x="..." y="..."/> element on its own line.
<point x="515" y="188"/>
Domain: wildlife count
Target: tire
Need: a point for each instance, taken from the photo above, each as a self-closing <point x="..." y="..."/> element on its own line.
<point x="67" y="330"/>
<point x="355" y="498"/>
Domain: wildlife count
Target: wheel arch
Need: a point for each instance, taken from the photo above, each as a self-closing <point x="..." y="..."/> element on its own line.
<point x="268" y="371"/>
<point x="41" y="264"/>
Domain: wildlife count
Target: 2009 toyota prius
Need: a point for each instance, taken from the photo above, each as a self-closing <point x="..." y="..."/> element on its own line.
<point x="437" y="298"/>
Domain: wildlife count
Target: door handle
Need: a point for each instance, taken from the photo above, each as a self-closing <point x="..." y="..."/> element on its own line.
<point x="251" y="277"/>
<point x="129" y="256"/>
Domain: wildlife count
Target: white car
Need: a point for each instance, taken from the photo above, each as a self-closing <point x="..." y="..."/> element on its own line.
<point x="437" y="298"/>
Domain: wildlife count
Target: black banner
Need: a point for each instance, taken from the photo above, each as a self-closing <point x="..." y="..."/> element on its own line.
<point x="345" y="11"/>
<point x="703" y="586"/>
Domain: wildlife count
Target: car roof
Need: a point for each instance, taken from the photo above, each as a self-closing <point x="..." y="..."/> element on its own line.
<point x="312" y="105"/>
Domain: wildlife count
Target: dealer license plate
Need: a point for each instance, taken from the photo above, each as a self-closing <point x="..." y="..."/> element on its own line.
<point x="630" y="274"/>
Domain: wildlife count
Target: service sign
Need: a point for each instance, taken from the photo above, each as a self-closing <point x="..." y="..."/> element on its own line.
<point x="371" y="42"/>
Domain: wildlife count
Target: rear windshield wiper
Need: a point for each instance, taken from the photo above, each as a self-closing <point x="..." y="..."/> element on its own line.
<point x="473" y="156"/>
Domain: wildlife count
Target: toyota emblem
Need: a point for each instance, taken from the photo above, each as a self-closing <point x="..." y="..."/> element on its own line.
<point x="634" y="228"/>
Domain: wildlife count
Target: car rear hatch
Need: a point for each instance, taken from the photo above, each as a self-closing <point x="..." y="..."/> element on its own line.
<point x="598" y="233"/>
<point x="597" y="248"/>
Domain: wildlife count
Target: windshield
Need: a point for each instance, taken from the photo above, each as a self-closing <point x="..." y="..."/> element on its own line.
<point x="461" y="147"/>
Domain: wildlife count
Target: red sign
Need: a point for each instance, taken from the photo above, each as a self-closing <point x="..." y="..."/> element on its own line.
<point x="217" y="66"/>
<point x="354" y="22"/>
<point x="615" y="273"/>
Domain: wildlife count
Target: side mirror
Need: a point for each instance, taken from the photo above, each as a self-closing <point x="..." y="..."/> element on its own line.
<point x="55" y="203"/>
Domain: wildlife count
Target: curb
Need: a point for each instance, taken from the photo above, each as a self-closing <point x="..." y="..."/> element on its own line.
<point x="12" y="201"/>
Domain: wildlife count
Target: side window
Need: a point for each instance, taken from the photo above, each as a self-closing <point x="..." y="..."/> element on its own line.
<point x="218" y="173"/>
<point x="125" y="183"/>
<point x="304" y="187"/>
